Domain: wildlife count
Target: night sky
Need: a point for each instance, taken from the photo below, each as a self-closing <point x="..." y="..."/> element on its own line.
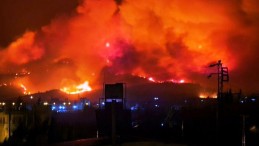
<point x="50" y="44"/>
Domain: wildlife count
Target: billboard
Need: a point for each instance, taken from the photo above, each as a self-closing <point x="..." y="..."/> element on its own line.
<point x="114" y="91"/>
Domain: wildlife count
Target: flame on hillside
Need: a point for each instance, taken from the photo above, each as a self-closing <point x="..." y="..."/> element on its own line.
<point x="151" y="79"/>
<point x="203" y="95"/>
<point x="77" y="89"/>
<point x="25" y="90"/>
<point x="162" y="40"/>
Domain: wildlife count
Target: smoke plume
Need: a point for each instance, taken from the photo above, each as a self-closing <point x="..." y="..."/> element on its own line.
<point x="165" y="40"/>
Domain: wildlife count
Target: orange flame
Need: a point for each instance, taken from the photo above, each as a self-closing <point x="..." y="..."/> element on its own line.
<point x="162" y="40"/>
<point x="25" y="91"/>
<point x="76" y="89"/>
<point x="208" y="95"/>
<point x="151" y="79"/>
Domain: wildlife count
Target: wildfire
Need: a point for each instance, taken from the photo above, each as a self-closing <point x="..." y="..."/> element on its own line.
<point x="151" y="79"/>
<point x="25" y="91"/>
<point x="173" y="39"/>
<point x="208" y="95"/>
<point x="76" y="89"/>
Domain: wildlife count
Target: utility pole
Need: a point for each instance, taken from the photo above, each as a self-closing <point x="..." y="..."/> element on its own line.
<point x="244" y="131"/>
<point x="113" y="122"/>
<point x="222" y="73"/>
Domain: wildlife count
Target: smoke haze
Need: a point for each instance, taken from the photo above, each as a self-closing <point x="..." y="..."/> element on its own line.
<point x="63" y="42"/>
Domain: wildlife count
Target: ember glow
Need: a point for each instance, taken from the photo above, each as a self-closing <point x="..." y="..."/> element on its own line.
<point x="77" y="89"/>
<point x="208" y="95"/>
<point x="162" y="40"/>
<point x="25" y="90"/>
<point x="151" y="79"/>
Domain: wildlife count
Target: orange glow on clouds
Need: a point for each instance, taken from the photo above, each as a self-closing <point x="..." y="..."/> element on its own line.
<point x="162" y="40"/>
<point x="23" y="50"/>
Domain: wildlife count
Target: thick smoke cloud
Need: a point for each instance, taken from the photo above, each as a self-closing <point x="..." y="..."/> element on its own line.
<point x="165" y="40"/>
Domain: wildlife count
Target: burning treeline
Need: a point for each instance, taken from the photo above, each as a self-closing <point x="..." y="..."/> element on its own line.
<point x="162" y="40"/>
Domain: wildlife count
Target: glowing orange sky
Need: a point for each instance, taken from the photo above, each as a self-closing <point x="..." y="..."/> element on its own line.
<point x="169" y="39"/>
